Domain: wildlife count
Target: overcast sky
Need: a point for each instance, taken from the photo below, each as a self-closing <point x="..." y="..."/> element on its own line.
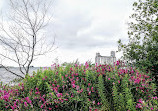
<point x="83" y="27"/>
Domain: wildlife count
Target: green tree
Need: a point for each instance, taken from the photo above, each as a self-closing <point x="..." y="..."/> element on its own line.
<point x="142" y="48"/>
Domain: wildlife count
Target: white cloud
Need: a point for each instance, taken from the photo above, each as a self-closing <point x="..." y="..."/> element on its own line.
<point x="1" y="3"/>
<point x="84" y="27"/>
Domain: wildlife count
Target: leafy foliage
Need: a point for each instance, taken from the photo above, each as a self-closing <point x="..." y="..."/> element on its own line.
<point x="102" y="93"/>
<point x="142" y="48"/>
<point x="128" y="95"/>
<point x="81" y="87"/>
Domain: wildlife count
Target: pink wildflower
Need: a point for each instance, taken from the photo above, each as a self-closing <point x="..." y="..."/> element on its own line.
<point x="93" y="102"/>
<point x="73" y="85"/>
<point x="37" y="89"/>
<point x="37" y="92"/>
<point x="6" y="106"/>
<point x="143" y="80"/>
<point x="53" y="85"/>
<point x="16" y="89"/>
<point x="25" y="104"/>
<point x="140" y="100"/>
<point x="42" y="99"/>
<point x="132" y="71"/>
<point x="132" y="77"/>
<point x="28" y="100"/>
<point x="109" y="78"/>
<point x="6" y="97"/>
<point x="117" y="62"/>
<point x="55" y="89"/>
<point x="155" y="97"/>
<point x="138" y="105"/>
<point x="12" y="107"/>
<point x="92" y="89"/>
<point x="15" y="106"/>
<point x="137" y="81"/>
<point x="77" y="87"/>
<point x="89" y="93"/>
<point x="61" y="100"/>
<point x="50" y="108"/>
<point x="59" y="95"/>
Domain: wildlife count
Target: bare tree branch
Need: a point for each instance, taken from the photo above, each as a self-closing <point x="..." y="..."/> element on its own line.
<point x="21" y="38"/>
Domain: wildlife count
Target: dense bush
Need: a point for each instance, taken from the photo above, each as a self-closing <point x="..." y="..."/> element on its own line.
<point x="82" y="87"/>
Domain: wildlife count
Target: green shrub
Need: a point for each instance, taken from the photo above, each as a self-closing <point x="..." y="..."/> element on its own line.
<point x="81" y="87"/>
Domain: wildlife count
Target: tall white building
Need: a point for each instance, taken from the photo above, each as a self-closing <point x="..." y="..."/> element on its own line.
<point x="105" y="59"/>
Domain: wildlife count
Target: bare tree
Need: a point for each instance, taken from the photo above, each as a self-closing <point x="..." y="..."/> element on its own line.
<point x="22" y="36"/>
